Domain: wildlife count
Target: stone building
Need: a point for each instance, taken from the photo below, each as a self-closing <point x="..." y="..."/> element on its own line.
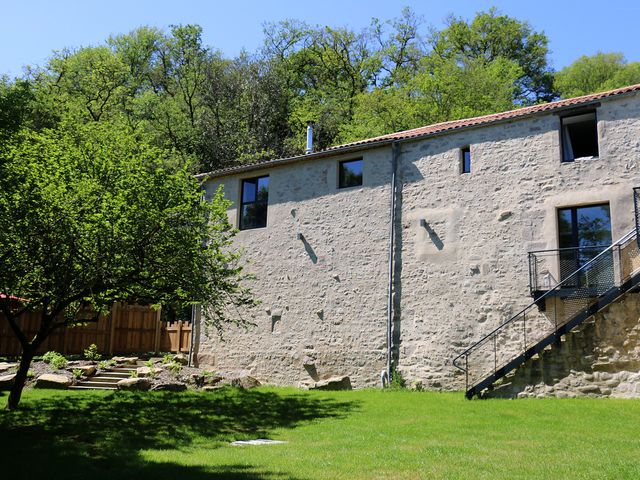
<point x="400" y="252"/>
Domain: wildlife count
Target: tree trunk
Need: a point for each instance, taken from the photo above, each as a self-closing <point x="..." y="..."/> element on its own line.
<point x="21" y="378"/>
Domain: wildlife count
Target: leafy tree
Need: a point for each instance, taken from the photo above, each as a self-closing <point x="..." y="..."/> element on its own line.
<point x="90" y="81"/>
<point x="441" y="90"/>
<point x="596" y="73"/>
<point x="325" y="69"/>
<point x="15" y="100"/>
<point x="399" y="51"/>
<point x="177" y="93"/>
<point x="91" y="215"/>
<point x="490" y="36"/>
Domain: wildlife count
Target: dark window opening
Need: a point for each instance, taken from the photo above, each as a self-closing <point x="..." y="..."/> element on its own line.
<point x="465" y="160"/>
<point x="579" y="136"/>
<point x="584" y="232"/>
<point x="253" y="207"/>
<point x="350" y="173"/>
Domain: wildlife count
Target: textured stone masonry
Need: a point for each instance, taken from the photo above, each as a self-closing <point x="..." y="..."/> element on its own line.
<point x="324" y="297"/>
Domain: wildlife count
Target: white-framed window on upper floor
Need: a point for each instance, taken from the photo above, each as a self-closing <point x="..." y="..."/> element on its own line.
<point x="579" y="135"/>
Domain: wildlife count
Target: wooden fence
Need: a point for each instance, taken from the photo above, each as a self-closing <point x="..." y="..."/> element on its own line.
<point x="127" y="329"/>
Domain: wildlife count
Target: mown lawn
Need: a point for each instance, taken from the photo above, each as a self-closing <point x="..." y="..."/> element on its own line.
<point x="330" y="435"/>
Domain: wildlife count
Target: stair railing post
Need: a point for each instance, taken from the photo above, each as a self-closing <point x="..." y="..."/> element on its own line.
<point x="618" y="270"/>
<point x="495" y="354"/>
<point x="524" y="331"/>
<point x="466" y="372"/>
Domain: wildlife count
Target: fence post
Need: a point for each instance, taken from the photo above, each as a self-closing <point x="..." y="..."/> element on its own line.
<point x="112" y="326"/>
<point x="64" y="340"/>
<point x="156" y="340"/>
<point x="179" y="336"/>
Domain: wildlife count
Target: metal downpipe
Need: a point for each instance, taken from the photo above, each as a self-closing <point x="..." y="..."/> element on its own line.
<point x="395" y="153"/>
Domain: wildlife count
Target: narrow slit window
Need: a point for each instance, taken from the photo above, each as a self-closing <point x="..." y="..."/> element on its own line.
<point x="579" y="137"/>
<point x="350" y="173"/>
<point x="465" y="160"/>
<point x="254" y="201"/>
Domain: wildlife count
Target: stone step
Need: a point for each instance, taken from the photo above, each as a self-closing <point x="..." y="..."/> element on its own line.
<point x="122" y="369"/>
<point x="99" y="378"/>
<point x="109" y="373"/>
<point x="92" y="387"/>
<point x="91" y="384"/>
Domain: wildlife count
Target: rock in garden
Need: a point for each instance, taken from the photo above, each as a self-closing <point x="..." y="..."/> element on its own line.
<point x="333" y="383"/>
<point x="87" y="370"/>
<point x="6" y="381"/>
<point x="170" y="387"/>
<point x="126" y="360"/>
<point x="197" y="379"/>
<point x="148" y="371"/>
<point x="245" y="382"/>
<point x="181" y="358"/>
<point x="49" y="380"/>
<point x="213" y="380"/>
<point x="134" y="384"/>
<point x="4" y="366"/>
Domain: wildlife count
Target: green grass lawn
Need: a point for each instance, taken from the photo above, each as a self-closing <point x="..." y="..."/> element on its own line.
<point x="330" y="435"/>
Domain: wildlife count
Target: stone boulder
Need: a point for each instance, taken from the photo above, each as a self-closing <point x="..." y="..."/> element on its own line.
<point x="244" y="382"/>
<point x="197" y="379"/>
<point x="134" y="384"/>
<point x="49" y="380"/>
<point x="6" y="381"/>
<point x="169" y="387"/>
<point x="148" y="372"/>
<point x="87" y="370"/>
<point x="4" y="366"/>
<point x="181" y="358"/>
<point x="332" y="383"/>
<point x="125" y="360"/>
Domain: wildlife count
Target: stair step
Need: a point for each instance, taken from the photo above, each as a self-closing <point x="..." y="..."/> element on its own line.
<point x="97" y="384"/>
<point x="115" y="374"/>
<point x="101" y="379"/>
<point x="94" y="387"/>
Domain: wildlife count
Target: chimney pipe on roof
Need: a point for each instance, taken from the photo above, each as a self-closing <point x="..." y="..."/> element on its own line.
<point x="309" y="137"/>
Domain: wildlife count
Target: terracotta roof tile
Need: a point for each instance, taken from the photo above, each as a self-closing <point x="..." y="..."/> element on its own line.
<point x="437" y="128"/>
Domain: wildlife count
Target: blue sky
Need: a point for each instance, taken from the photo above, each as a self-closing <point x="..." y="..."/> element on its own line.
<point x="31" y="29"/>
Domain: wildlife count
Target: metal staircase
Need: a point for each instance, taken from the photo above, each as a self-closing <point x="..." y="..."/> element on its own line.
<point x="558" y="307"/>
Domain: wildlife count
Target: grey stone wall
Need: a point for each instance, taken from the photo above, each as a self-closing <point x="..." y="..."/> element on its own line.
<point x="470" y="273"/>
<point x="324" y="309"/>
<point x="455" y="280"/>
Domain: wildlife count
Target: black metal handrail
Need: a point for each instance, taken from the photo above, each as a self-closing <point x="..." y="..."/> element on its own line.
<point x="602" y="264"/>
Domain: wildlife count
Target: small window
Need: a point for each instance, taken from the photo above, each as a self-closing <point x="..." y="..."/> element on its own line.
<point x="254" y="201"/>
<point x="350" y="173"/>
<point x="465" y="160"/>
<point x="579" y="136"/>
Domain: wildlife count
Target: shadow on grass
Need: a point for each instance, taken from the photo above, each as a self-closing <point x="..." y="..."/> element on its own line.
<point x="89" y="436"/>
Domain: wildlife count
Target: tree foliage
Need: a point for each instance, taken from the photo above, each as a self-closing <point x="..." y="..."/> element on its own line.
<point x="177" y="93"/>
<point x="491" y="36"/>
<point x="596" y="73"/>
<point x="90" y="215"/>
